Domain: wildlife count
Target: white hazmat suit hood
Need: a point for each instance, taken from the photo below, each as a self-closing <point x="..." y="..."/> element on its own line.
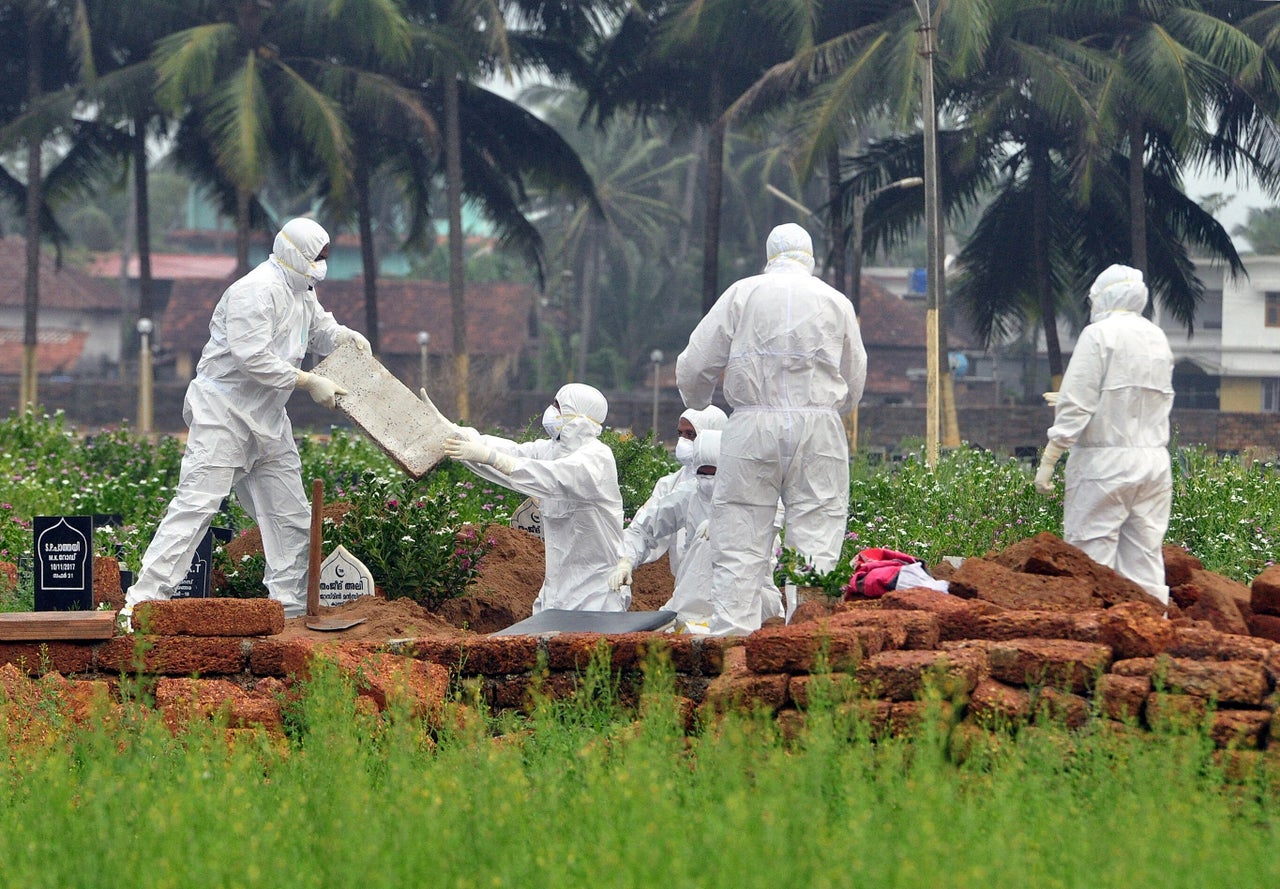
<point x="1118" y="289"/>
<point x="789" y="245"/>
<point x="1113" y="416"/>
<point x="295" y="250"/>
<point x="583" y="410"/>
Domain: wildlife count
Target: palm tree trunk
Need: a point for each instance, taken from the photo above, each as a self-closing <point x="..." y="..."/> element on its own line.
<point x="1040" y="186"/>
<point x="715" y="185"/>
<point x="1138" y="198"/>
<point x="590" y="283"/>
<point x="27" y="394"/>
<point x="836" y="223"/>
<point x="242" y="231"/>
<point x="368" y="257"/>
<point x="142" y="218"/>
<point x="457" y="283"/>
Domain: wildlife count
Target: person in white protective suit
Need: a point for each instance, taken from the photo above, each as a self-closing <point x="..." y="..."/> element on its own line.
<point x="639" y="546"/>
<point x="1112" y="413"/>
<point x="240" y="438"/>
<point x="575" y="478"/>
<point x="791" y="354"/>
<point x="685" y="508"/>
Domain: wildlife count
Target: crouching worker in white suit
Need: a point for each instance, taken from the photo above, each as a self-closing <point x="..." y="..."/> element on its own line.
<point x="575" y="478"/>
<point x="640" y="544"/>
<point x="685" y="508"/>
<point x="1112" y="412"/>
<point x="240" y="436"/>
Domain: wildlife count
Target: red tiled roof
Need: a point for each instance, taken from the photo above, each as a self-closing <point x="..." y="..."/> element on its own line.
<point x="167" y="266"/>
<point x="57" y="351"/>
<point x="888" y="320"/>
<point x="64" y="288"/>
<point x="497" y="314"/>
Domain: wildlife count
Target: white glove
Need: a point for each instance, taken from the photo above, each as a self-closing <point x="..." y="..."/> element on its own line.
<point x="1051" y="398"/>
<point x="479" y="452"/>
<point x="1044" y="475"/>
<point x="621" y="575"/>
<point x="703" y="531"/>
<point x="355" y="337"/>
<point x="321" y="389"/>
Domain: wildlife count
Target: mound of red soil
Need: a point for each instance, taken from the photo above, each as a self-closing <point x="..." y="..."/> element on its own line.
<point x="383" y="619"/>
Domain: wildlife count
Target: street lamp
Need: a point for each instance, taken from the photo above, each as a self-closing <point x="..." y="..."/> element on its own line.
<point x="934" y="296"/>
<point x="145" y="408"/>
<point x="859" y="207"/>
<point x="423" y="339"/>
<point x="656" y="357"/>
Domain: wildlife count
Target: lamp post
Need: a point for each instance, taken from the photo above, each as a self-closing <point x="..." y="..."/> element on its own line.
<point x="934" y="296"/>
<point x="145" y="408"/>
<point x="859" y="208"/>
<point x="656" y="357"/>
<point x="423" y="339"/>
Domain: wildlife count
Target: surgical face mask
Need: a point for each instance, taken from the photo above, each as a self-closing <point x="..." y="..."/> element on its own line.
<point x="706" y="485"/>
<point x="684" y="451"/>
<point x="552" y="422"/>
<point x="319" y="269"/>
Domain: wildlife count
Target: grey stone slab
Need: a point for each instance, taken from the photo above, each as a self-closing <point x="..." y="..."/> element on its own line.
<point x="556" y="620"/>
<point x="411" y="432"/>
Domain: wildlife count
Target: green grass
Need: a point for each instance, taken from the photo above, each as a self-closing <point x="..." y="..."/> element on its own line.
<point x="581" y="795"/>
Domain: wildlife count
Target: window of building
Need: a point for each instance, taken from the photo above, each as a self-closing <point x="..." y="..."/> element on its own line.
<point x="1273" y="308"/>
<point x="1271" y="396"/>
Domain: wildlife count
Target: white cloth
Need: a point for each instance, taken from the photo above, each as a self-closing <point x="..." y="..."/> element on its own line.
<point x="642" y="548"/>
<point x="1113" y="415"/>
<point x="239" y="435"/>
<point x="575" y="480"/>
<point x="793" y="363"/>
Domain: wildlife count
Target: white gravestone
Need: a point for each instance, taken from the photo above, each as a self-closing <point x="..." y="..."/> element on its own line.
<point x="343" y="578"/>
<point x="411" y="431"/>
<point x="527" y="517"/>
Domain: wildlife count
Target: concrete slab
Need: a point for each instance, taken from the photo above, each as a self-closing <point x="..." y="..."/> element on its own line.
<point x="556" y="620"/>
<point x="411" y="432"/>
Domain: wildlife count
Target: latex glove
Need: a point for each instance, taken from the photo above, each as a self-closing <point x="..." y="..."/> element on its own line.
<point x="479" y="452"/>
<point x="703" y="531"/>
<point x="321" y="389"/>
<point x="355" y="337"/>
<point x="1044" y="475"/>
<point x="1051" y="398"/>
<point x="621" y="575"/>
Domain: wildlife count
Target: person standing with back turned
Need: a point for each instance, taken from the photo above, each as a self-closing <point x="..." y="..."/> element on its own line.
<point x="793" y="362"/>
<point x="1112" y="413"/>
<point x="240" y="436"/>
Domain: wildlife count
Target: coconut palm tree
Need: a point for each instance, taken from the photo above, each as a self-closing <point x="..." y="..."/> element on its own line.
<point x="49" y="43"/>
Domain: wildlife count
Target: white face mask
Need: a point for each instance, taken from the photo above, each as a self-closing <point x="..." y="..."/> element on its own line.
<point x="684" y="451"/>
<point x="319" y="269"/>
<point x="552" y="422"/>
<point x="706" y="486"/>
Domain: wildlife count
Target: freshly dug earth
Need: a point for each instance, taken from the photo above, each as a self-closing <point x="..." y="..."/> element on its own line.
<point x="502" y="594"/>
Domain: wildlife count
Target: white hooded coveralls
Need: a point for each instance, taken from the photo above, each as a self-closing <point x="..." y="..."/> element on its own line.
<point x="641" y="548"/>
<point x="240" y="436"/>
<point x="575" y="479"/>
<point x="793" y="362"/>
<point x="682" y="511"/>
<point x="1113" y="414"/>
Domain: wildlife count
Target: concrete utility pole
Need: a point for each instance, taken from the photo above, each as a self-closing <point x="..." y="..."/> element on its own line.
<point x="934" y="292"/>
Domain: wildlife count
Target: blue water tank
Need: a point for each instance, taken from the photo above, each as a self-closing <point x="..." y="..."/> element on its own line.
<point x="919" y="281"/>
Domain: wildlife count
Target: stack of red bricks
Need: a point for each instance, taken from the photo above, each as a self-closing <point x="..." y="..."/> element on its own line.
<point x="1036" y="629"/>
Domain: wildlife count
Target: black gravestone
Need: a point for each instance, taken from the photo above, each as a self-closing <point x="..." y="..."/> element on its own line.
<point x="64" y="563"/>
<point x="199" y="579"/>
